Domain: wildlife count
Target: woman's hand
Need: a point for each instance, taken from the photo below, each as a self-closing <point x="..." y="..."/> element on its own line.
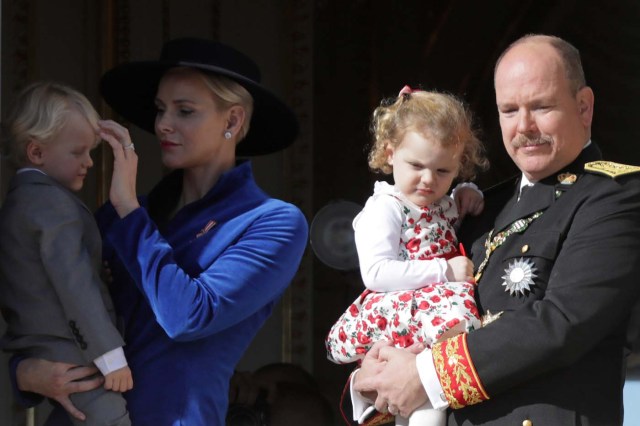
<point x="57" y="380"/>
<point x="125" y="167"/>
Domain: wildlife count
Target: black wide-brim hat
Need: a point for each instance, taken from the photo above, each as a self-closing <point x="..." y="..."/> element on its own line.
<point x="130" y="89"/>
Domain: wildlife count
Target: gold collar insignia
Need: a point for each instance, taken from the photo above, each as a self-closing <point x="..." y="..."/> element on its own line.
<point x="567" y="178"/>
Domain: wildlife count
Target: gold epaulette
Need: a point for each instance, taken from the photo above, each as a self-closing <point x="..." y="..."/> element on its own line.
<point x="611" y="169"/>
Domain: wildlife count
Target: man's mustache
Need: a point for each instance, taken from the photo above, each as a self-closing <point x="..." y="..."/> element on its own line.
<point x="522" y="140"/>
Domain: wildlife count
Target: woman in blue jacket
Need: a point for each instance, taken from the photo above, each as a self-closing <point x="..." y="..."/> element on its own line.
<point x="198" y="264"/>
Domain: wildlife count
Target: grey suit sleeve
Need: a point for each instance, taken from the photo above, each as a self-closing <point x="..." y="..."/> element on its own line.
<point x="71" y="270"/>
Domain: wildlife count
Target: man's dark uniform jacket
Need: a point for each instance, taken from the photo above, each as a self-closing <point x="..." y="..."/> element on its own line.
<point x="556" y="355"/>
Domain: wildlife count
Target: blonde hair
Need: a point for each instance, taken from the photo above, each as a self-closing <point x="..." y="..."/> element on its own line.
<point x="39" y="113"/>
<point x="227" y="94"/>
<point x="438" y="115"/>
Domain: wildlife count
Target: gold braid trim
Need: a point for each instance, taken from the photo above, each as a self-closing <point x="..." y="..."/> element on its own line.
<point x="456" y="372"/>
<point x="380" y="419"/>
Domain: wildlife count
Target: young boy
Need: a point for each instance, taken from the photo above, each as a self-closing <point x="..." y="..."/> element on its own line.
<point x="52" y="297"/>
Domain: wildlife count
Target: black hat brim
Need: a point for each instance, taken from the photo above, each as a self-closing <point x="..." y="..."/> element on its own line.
<point x="130" y="89"/>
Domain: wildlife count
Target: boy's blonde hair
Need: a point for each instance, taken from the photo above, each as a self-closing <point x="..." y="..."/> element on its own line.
<point x="39" y="113"/>
<point x="436" y="115"/>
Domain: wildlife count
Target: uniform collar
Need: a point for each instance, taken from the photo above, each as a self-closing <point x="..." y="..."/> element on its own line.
<point x="546" y="191"/>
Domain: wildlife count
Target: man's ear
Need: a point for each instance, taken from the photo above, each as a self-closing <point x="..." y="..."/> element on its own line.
<point x="585" y="99"/>
<point x="35" y="152"/>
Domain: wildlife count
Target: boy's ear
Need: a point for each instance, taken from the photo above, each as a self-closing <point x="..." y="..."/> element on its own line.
<point x="35" y="152"/>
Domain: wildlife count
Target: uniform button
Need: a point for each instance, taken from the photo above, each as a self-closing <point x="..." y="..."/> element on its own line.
<point x="527" y="423"/>
<point x="72" y="324"/>
<point x="83" y="346"/>
<point x="525" y="248"/>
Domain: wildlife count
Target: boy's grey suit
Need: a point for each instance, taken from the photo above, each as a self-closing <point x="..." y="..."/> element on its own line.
<point x="54" y="302"/>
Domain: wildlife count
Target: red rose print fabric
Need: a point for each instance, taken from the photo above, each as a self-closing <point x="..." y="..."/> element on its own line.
<point x="435" y="311"/>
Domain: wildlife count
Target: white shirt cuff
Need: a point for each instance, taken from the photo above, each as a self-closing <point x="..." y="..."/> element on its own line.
<point x="429" y="379"/>
<point x="470" y="185"/>
<point x="359" y="403"/>
<point x="111" y="361"/>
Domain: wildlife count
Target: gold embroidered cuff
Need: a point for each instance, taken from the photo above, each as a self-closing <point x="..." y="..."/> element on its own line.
<point x="457" y="373"/>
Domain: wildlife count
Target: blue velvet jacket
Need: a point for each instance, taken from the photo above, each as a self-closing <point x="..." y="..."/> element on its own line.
<point x="194" y="289"/>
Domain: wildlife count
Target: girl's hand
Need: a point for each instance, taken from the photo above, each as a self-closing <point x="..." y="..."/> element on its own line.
<point x="125" y="167"/>
<point x="468" y="201"/>
<point x="460" y="269"/>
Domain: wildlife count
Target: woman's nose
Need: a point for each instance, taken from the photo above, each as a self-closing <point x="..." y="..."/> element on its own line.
<point x="163" y="125"/>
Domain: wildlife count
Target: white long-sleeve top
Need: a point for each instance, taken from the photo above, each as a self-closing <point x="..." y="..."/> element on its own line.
<point x="393" y="237"/>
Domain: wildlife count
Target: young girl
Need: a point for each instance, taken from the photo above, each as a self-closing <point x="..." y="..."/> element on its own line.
<point x="419" y="285"/>
<point x="52" y="298"/>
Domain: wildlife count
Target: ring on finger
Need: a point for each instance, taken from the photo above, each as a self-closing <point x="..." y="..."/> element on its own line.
<point x="130" y="146"/>
<point x="391" y="410"/>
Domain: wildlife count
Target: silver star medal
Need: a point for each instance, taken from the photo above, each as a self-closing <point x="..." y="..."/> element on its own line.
<point x="518" y="277"/>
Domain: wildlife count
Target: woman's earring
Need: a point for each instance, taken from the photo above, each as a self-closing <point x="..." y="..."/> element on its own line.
<point x="227" y="134"/>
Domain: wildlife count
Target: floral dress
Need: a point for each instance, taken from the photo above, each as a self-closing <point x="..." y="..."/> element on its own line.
<point x="420" y="305"/>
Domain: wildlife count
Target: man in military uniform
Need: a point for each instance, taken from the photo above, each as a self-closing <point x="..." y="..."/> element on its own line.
<point x="557" y="257"/>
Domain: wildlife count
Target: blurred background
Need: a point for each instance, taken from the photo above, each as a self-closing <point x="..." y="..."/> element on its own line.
<point x="332" y="61"/>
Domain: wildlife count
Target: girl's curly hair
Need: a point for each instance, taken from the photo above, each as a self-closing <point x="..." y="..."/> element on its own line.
<point x="439" y="115"/>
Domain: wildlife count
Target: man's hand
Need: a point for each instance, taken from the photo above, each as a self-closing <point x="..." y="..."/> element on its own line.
<point x="397" y="381"/>
<point x="370" y="368"/>
<point x="57" y="380"/>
